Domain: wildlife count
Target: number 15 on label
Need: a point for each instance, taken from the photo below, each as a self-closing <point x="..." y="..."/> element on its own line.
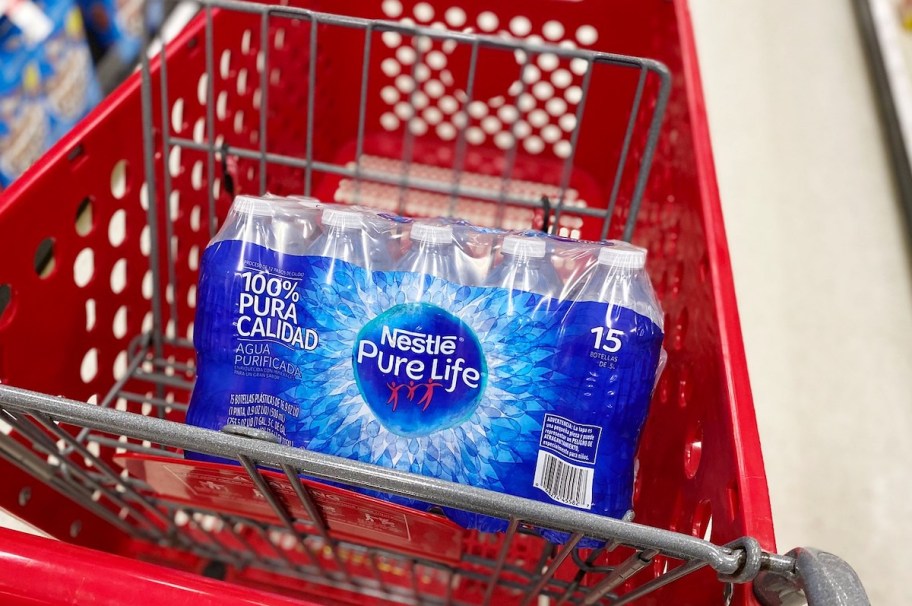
<point x="607" y="339"/>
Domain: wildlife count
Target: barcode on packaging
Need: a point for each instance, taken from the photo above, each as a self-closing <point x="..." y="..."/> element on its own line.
<point x="562" y="481"/>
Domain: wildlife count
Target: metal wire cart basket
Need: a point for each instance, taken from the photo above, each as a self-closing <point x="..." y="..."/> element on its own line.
<point x="503" y="114"/>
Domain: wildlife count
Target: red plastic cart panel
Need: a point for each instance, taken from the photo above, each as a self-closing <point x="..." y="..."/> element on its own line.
<point x="348" y="515"/>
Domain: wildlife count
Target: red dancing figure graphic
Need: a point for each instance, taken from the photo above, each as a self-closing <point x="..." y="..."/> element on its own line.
<point x="428" y="394"/>
<point x="411" y="390"/>
<point x="394" y="393"/>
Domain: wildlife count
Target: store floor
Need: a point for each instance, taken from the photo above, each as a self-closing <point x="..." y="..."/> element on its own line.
<point x="823" y="276"/>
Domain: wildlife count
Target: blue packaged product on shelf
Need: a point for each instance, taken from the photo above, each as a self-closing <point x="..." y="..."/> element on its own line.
<point x="25" y="127"/>
<point x="70" y="87"/>
<point x="117" y="25"/>
<point x="516" y="364"/>
<point x="47" y="81"/>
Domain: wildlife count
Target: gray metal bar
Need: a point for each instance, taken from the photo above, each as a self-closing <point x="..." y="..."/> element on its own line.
<point x="501" y="558"/>
<point x="210" y="126"/>
<point x="362" y="109"/>
<point x="18" y="455"/>
<point x="243" y="558"/>
<point x="408" y="144"/>
<point x="158" y="325"/>
<point x="177" y="366"/>
<point x="655" y="127"/>
<point x="546" y="574"/>
<point x="508" y="566"/>
<point x="657" y="583"/>
<point x="279" y="509"/>
<point x="42" y="443"/>
<point x="510" y="161"/>
<point x="778" y="564"/>
<point x="166" y="180"/>
<point x="264" y="96"/>
<point x="256" y="560"/>
<point x="380" y="177"/>
<point x="264" y="534"/>
<point x="221" y="551"/>
<point x="311" y="95"/>
<point x="574" y="143"/>
<point x="103" y="467"/>
<point x="364" y="475"/>
<point x="251" y="553"/>
<point x="621" y="573"/>
<point x="824" y="579"/>
<point x="303" y="494"/>
<point x="163" y="379"/>
<point x="590" y="561"/>
<point x="488" y="41"/>
<point x="354" y="547"/>
<point x="134" y="363"/>
<point x="625" y="149"/>
<point x="287" y="569"/>
<point x="179" y="342"/>
<point x="461" y="143"/>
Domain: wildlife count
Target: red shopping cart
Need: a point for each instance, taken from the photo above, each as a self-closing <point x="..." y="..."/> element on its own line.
<point x="501" y="114"/>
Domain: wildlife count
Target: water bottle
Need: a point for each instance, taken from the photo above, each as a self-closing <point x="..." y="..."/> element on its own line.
<point x="384" y="234"/>
<point x="619" y="278"/>
<point x="250" y="219"/>
<point x="609" y="349"/>
<point x="432" y="252"/>
<point x="342" y="239"/>
<point x="525" y="267"/>
<point x="295" y="224"/>
<point x="283" y="225"/>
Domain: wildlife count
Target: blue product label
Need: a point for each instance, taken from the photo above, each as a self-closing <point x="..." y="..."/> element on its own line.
<point x="70" y="85"/>
<point x="25" y="126"/>
<point x="504" y="390"/>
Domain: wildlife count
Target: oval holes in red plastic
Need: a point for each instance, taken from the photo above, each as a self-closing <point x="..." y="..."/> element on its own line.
<point x="119" y="179"/>
<point x="85" y="220"/>
<point x="45" y="259"/>
<point x="693" y="451"/>
<point x="6" y="303"/>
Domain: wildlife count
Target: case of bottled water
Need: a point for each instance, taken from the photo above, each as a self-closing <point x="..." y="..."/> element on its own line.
<point x="512" y="361"/>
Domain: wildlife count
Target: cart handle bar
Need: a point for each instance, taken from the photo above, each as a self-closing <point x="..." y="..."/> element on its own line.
<point x="823" y="576"/>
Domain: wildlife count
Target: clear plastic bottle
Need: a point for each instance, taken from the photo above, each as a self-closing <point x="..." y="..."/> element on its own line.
<point x="618" y="277"/>
<point x="250" y="219"/>
<point x="525" y="266"/>
<point x="384" y="236"/>
<point x="342" y="237"/>
<point x="296" y="224"/>
<point x="280" y="224"/>
<point x="432" y="252"/>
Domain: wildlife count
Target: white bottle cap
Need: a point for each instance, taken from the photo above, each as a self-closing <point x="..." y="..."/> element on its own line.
<point x="623" y="255"/>
<point x="341" y="218"/>
<point x="432" y="234"/>
<point x="525" y="247"/>
<point x="251" y="205"/>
